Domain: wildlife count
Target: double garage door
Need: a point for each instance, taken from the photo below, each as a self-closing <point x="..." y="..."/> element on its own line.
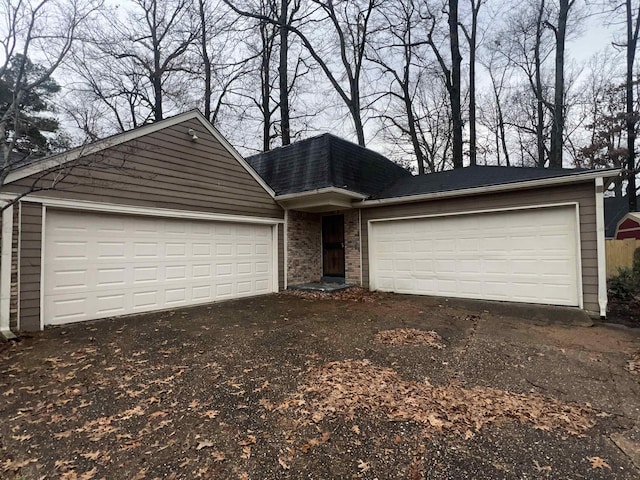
<point x="520" y="256"/>
<point x="100" y="265"/>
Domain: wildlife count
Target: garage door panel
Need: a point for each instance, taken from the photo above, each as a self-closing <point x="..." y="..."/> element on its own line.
<point x="527" y="256"/>
<point x="99" y="265"/>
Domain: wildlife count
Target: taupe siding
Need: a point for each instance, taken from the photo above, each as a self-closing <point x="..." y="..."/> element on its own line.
<point x="583" y="193"/>
<point x="30" y="258"/>
<point x="165" y="169"/>
<point x="15" y="238"/>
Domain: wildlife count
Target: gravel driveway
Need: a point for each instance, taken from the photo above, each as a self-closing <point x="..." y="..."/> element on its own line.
<point x="357" y="385"/>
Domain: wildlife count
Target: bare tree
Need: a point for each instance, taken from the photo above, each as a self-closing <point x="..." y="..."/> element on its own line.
<point x="451" y="72"/>
<point x="46" y="28"/>
<point x="558" y="110"/>
<point x="471" y="34"/>
<point x="349" y="26"/>
<point x="396" y="51"/>
<point x="148" y="46"/>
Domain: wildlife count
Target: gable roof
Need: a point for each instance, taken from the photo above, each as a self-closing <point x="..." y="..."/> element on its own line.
<point x="325" y="161"/>
<point x="473" y="177"/>
<point x="53" y="161"/>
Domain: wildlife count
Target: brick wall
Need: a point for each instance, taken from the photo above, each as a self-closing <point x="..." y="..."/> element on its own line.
<point x="304" y="247"/>
<point x="352" y="246"/>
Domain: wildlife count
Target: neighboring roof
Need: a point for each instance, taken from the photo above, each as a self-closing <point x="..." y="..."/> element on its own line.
<point x="614" y="209"/>
<point x="475" y="177"/>
<point x="53" y="161"/>
<point x="326" y="161"/>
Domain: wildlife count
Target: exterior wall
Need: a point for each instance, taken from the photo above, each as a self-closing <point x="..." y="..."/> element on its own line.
<point x="15" y="239"/>
<point x="165" y="169"/>
<point x="352" y="246"/>
<point x="30" y="261"/>
<point x="583" y="193"/>
<point x="304" y="247"/>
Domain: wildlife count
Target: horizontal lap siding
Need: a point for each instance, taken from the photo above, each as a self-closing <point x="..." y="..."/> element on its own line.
<point x="30" y="258"/>
<point x="166" y="169"/>
<point x="583" y="193"/>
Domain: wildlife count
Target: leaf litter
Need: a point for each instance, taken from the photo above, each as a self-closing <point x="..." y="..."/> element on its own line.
<point x="410" y="336"/>
<point x="345" y="388"/>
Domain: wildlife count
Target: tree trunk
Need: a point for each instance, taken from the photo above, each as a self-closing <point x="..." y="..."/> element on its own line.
<point x="632" y="40"/>
<point x="417" y="150"/>
<point x="557" y="127"/>
<point x="454" y="87"/>
<point x="538" y="80"/>
<point x="206" y="61"/>
<point x="266" y="87"/>
<point x="472" y="80"/>
<point x="283" y="72"/>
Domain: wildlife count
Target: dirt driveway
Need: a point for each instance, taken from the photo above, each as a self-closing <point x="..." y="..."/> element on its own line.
<point x="383" y="386"/>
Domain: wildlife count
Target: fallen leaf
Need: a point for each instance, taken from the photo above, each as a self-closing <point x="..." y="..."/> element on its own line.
<point x="546" y="468"/>
<point x="283" y="464"/>
<point x="92" y="455"/>
<point x="218" y="456"/>
<point x="246" y="452"/>
<point x="363" y="466"/>
<point x="251" y="439"/>
<point x="204" y="444"/>
<point x="597" y="462"/>
<point x="356" y="429"/>
<point x="211" y="413"/>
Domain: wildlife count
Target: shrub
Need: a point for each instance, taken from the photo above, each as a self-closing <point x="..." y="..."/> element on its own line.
<point x="626" y="284"/>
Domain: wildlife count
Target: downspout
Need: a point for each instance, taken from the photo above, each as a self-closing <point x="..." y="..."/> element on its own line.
<point x="5" y="274"/>
<point x="600" y="245"/>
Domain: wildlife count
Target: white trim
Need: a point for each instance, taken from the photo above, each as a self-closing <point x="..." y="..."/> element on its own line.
<point x="285" y="248"/>
<point x="579" y="259"/>
<point x="545" y="182"/>
<point x="74" y="154"/>
<point x="148" y="211"/>
<point x="372" y="283"/>
<point x="42" y="258"/>
<point x="600" y="245"/>
<point x="360" y="240"/>
<point x="5" y="274"/>
<point x="471" y="212"/>
<point x="275" y="276"/>
<point x="371" y="222"/>
<point x="318" y="191"/>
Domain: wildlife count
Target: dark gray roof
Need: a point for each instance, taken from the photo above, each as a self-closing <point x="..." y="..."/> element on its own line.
<point x="325" y="161"/>
<point x="470" y="177"/>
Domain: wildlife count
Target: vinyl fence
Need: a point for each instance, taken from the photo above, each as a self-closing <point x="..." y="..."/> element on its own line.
<point x="620" y="254"/>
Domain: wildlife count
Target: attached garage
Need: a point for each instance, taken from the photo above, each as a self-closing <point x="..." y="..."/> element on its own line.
<point x="165" y="216"/>
<point x="102" y="265"/>
<point x="523" y="255"/>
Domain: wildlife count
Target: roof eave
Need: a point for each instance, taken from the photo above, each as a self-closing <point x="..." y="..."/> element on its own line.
<point x="320" y="200"/>
<point x="526" y="184"/>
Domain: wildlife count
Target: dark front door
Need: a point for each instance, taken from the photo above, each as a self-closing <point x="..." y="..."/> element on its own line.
<point x="333" y="246"/>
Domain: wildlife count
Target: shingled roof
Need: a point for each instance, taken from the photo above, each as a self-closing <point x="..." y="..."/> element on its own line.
<point x="326" y="161"/>
<point x="471" y="177"/>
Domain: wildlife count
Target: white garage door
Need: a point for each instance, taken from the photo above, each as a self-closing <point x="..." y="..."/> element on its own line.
<point x="99" y="265"/>
<point x="521" y="256"/>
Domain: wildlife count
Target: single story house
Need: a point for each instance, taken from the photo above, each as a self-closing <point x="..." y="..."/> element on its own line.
<point x="170" y="215"/>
